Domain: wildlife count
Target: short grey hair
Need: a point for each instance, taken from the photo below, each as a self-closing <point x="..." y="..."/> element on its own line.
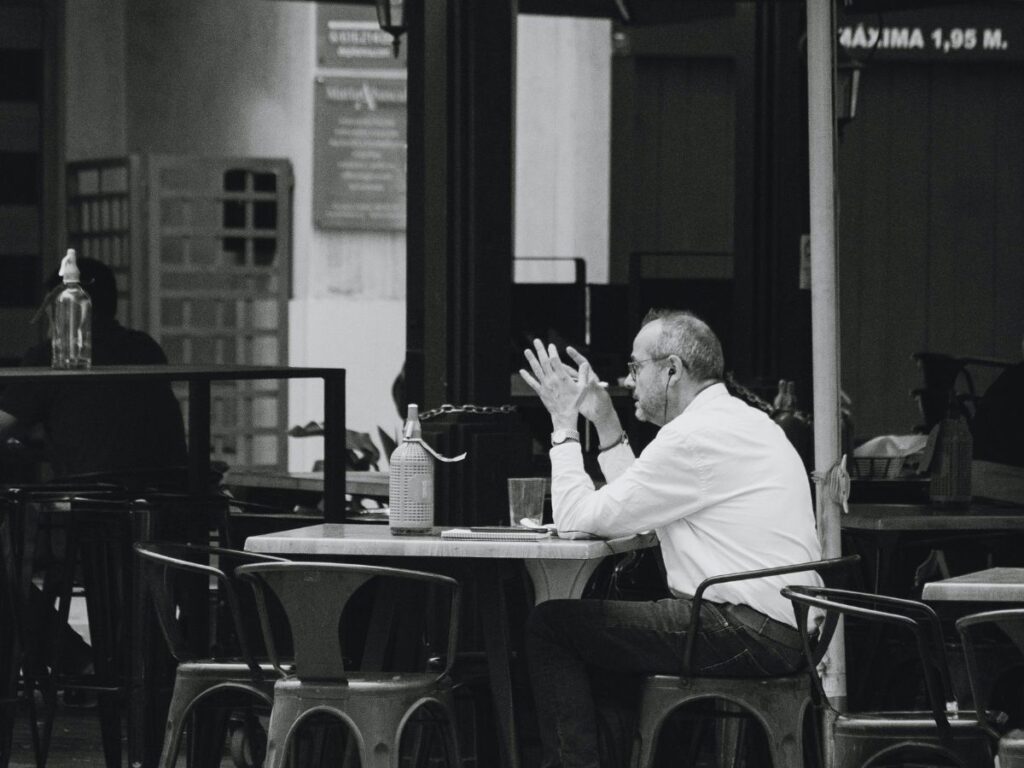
<point x="686" y="335"/>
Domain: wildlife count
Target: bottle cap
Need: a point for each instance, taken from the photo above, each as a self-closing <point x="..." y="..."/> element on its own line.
<point x="69" y="268"/>
<point x="412" y="422"/>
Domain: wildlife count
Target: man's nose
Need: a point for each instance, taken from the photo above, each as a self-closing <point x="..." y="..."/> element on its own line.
<point x="629" y="382"/>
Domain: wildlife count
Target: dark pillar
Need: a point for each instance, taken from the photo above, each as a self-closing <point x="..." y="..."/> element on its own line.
<point x="460" y="191"/>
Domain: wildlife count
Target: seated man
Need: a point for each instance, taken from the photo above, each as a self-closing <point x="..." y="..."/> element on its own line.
<point x="724" y="490"/>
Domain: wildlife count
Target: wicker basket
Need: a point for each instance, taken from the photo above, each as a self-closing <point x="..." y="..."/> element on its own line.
<point x="877" y="467"/>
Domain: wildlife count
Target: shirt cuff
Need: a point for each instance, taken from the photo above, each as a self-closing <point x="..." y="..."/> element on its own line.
<point x="615" y="460"/>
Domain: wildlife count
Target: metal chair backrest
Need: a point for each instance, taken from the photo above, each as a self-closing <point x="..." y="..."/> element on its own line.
<point x="314" y="597"/>
<point x="828" y="570"/>
<point x="1003" y="631"/>
<point x="166" y="567"/>
<point x="914" y="617"/>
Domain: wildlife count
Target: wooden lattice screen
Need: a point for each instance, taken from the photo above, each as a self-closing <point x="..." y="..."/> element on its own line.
<point x="201" y="248"/>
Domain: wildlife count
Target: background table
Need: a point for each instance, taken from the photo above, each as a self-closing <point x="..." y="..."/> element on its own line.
<point x="557" y="568"/>
<point x="888" y="526"/>
<point x="199" y="378"/>
<point x="888" y="531"/>
<point x="993" y="585"/>
<point x="357" y="482"/>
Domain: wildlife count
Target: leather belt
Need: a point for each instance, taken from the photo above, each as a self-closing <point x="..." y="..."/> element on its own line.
<point x="763" y="624"/>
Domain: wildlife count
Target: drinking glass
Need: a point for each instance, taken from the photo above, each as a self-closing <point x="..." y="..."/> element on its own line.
<point x="526" y="500"/>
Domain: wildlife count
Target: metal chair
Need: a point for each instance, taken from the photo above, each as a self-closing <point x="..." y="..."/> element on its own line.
<point x="777" y="703"/>
<point x="229" y="664"/>
<point x="865" y="738"/>
<point x="1004" y="631"/>
<point x="375" y="705"/>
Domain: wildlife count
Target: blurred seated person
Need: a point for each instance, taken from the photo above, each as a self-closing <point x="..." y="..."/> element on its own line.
<point x="999" y="419"/>
<point x="130" y="433"/>
<point x="105" y="427"/>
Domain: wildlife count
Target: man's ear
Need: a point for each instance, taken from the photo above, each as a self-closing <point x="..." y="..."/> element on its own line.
<point x="675" y="365"/>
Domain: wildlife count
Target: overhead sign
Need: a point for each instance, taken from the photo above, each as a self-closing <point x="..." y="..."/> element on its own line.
<point x="974" y="33"/>
<point x="359" y="153"/>
<point x="349" y="37"/>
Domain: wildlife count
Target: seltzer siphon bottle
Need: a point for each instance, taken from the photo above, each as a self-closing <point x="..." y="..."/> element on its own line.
<point x="411" y="483"/>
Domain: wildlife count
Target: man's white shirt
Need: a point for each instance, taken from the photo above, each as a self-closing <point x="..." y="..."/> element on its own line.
<point x="722" y="487"/>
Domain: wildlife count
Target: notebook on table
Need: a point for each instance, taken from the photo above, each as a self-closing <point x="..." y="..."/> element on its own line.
<point x="495" y="533"/>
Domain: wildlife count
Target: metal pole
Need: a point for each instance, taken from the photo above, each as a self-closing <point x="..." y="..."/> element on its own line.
<point x="821" y="32"/>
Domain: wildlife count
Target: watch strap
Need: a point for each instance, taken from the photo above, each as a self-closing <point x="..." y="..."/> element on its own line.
<point x="560" y="436"/>
<point x="623" y="440"/>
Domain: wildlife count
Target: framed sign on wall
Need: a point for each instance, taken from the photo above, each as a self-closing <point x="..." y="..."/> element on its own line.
<point x="359" y="153"/>
<point x="359" y="142"/>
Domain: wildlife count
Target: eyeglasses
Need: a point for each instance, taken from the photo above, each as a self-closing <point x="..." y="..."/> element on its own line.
<point x="634" y="365"/>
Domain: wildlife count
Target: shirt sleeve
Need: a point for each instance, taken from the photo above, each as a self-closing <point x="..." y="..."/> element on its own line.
<point x="665" y="483"/>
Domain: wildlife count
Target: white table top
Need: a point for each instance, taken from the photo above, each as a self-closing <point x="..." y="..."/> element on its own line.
<point x="331" y="539"/>
<point x="995" y="585"/>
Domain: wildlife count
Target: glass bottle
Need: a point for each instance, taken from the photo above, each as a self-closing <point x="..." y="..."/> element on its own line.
<point x="71" y="330"/>
<point x="950" y="482"/>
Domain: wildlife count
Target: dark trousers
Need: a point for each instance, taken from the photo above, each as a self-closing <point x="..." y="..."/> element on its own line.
<point x="568" y="641"/>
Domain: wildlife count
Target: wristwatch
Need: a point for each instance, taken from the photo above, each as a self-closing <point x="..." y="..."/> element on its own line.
<point x="560" y="436"/>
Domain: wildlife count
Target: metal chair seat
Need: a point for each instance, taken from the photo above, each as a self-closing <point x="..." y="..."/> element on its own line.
<point x="867" y="740"/>
<point x="778" y="704"/>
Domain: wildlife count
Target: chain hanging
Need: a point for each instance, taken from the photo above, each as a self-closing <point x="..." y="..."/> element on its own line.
<point x="467" y="408"/>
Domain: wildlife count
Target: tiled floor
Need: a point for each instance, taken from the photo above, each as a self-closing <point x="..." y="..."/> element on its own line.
<point x="75" y="744"/>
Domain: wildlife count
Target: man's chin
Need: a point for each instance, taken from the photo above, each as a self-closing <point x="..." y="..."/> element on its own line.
<point x="639" y="413"/>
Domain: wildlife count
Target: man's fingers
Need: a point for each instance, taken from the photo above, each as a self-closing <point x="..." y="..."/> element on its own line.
<point x="585" y="374"/>
<point x="535" y="366"/>
<point x="531" y="382"/>
<point x="555" y="361"/>
<point x="577" y="358"/>
<point x="575" y="355"/>
<point x="542" y="355"/>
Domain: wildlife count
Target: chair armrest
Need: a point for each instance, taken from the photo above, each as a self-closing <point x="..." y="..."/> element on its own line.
<point x="698" y="597"/>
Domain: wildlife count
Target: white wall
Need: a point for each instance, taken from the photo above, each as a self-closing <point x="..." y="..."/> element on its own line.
<point x="235" y="77"/>
<point x="563" y="132"/>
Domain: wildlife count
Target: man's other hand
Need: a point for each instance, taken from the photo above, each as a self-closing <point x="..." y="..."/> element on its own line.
<point x="560" y="389"/>
<point x="596" y="404"/>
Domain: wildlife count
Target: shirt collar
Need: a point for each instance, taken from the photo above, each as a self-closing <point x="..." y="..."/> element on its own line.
<point x="707" y="395"/>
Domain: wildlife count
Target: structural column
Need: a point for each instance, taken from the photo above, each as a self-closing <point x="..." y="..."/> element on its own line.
<point x="460" y="192"/>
